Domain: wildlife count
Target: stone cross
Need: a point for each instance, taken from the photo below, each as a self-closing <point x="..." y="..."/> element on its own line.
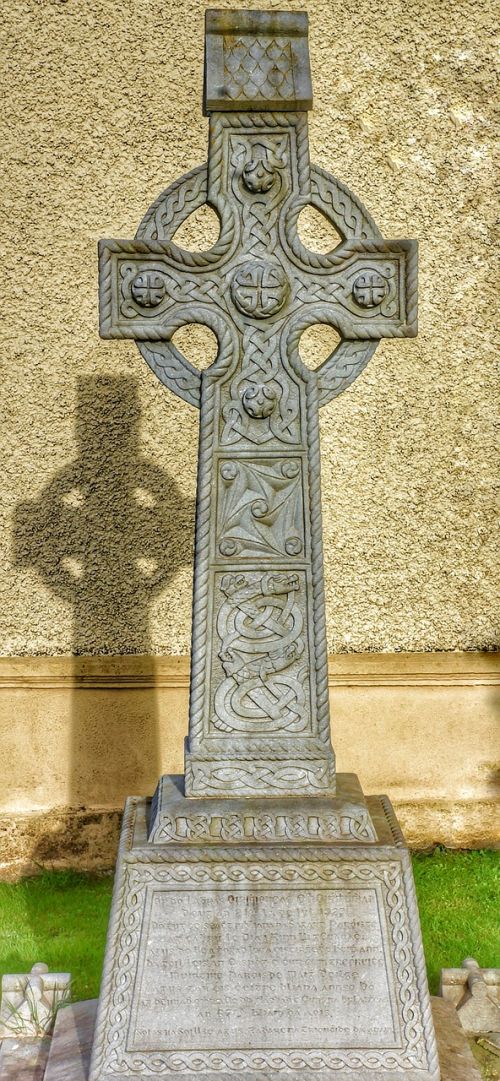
<point x="259" y="712"/>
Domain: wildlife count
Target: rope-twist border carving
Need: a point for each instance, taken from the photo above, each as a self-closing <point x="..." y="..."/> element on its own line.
<point x="418" y="1052"/>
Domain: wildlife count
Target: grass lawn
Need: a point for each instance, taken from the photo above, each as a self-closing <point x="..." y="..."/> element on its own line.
<point x="61" y="918"/>
<point x="459" y="900"/>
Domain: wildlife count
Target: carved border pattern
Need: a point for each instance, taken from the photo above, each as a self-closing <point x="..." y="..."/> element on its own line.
<point x="267" y="826"/>
<point x="258" y="777"/>
<point x="131" y="903"/>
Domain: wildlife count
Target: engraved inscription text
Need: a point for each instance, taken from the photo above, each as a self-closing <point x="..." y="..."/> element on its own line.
<point x="269" y="968"/>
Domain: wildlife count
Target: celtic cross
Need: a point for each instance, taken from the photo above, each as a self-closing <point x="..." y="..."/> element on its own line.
<point x="259" y="713"/>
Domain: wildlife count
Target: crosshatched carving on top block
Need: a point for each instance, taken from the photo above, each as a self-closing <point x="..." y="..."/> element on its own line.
<point x="256" y="57"/>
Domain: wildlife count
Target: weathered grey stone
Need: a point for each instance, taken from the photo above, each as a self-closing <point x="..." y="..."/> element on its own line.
<point x="264" y="920"/>
<point x="288" y="958"/>
<point x="24" y="1058"/>
<point x="255" y="59"/>
<point x="343" y="817"/>
<point x="71" y="1045"/>
<point x="30" y="1001"/>
<point x="475" y="994"/>
<point x="259" y="714"/>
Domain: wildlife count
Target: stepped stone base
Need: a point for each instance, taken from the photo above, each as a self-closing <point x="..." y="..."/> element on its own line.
<point x="252" y="959"/>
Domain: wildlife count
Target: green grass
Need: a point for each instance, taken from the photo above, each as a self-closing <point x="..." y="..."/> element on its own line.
<point x="61" y="918"/>
<point x="459" y="902"/>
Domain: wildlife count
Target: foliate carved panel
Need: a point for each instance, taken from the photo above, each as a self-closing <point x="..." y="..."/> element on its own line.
<point x="260" y="668"/>
<point x="260" y="508"/>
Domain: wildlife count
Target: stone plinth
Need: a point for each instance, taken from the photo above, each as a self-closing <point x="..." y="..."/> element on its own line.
<point x="344" y="817"/>
<point x="292" y="958"/>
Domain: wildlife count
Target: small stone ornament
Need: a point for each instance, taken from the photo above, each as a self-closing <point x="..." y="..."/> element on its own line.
<point x="475" y="993"/>
<point x="29" y="1003"/>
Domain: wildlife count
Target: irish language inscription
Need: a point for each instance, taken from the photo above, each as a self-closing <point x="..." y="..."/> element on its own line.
<point x="269" y="968"/>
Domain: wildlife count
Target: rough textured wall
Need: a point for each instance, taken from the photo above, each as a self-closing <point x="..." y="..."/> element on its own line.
<point x="101" y="110"/>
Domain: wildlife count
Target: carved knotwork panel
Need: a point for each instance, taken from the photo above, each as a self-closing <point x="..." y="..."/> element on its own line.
<point x="260" y="667"/>
<point x="351" y="825"/>
<point x="262" y="404"/>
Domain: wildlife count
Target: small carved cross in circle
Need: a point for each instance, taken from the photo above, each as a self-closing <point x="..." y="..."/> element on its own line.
<point x="148" y="289"/>
<point x="369" y="289"/>
<point x="259" y="289"/>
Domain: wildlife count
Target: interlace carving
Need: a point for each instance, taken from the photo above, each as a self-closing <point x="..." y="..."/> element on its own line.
<point x="258" y="717"/>
<point x="260" y="629"/>
<point x="346" y="826"/>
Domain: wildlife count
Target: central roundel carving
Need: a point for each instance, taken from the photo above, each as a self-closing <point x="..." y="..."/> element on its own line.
<point x="148" y="289"/>
<point x="259" y="289"/>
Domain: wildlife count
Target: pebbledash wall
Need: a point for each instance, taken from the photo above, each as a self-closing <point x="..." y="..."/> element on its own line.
<point x="102" y="109"/>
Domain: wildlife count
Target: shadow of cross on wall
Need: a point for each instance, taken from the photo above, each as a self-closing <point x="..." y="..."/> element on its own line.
<point x="107" y="534"/>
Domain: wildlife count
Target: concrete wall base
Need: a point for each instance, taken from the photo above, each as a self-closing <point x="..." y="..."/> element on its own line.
<point x="80" y="734"/>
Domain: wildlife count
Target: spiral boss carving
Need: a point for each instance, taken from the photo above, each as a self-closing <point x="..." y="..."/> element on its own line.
<point x="259" y="718"/>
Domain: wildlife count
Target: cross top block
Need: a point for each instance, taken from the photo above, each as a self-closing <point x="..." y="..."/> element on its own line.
<point x="256" y="60"/>
<point x="259" y="712"/>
